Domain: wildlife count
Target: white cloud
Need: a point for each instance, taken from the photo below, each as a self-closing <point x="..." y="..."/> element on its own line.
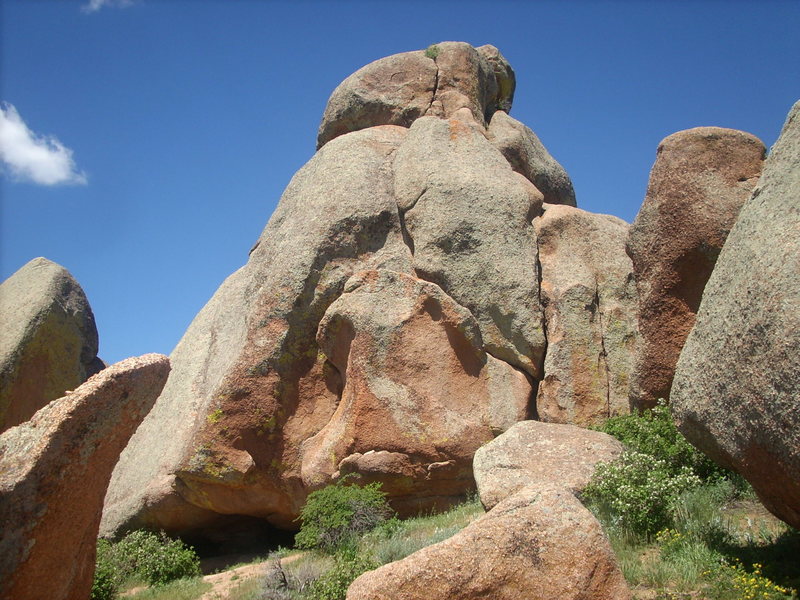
<point x="95" y="5"/>
<point x="31" y="157"/>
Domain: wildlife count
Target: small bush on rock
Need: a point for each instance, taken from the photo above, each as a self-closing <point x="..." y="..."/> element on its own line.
<point x="334" y="516"/>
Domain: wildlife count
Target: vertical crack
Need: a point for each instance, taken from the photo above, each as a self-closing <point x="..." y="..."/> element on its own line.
<point x="435" y="88"/>
<point x="602" y="357"/>
<point x="534" y="410"/>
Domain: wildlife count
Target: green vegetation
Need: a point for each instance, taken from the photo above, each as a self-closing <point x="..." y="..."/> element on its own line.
<point x="321" y="575"/>
<point x="181" y="589"/>
<point x="335" y="516"/>
<point x="682" y="525"/>
<point x="432" y="51"/>
<point x="141" y="557"/>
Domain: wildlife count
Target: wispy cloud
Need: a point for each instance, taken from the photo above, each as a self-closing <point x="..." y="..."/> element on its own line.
<point x="28" y="156"/>
<point x="95" y="5"/>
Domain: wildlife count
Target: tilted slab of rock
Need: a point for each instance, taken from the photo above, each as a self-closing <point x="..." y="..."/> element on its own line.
<point x="539" y="544"/>
<point x="591" y="309"/>
<point x="698" y="184"/>
<point x="540" y="455"/>
<point x="249" y="384"/>
<point x="54" y="470"/>
<point x="468" y="220"/>
<point x="420" y="395"/>
<point x="49" y="339"/>
<point x="399" y="89"/>
<point x="528" y="157"/>
<point x="736" y="394"/>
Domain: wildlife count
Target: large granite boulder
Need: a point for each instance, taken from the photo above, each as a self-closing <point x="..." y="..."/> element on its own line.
<point x="54" y="470"/>
<point x="399" y="89"/>
<point x="736" y="393"/>
<point x="538" y="544"/>
<point x="420" y="394"/>
<point x="528" y="156"/>
<point x="290" y="378"/>
<point x="591" y="309"/>
<point x="698" y="184"/>
<point x="49" y="339"/>
<point x="249" y="384"/>
<point x="540" y="455"/>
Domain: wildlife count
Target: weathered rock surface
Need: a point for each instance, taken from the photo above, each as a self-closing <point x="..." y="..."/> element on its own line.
<point x="54" y="470"/>
<point x="528" y="156"/>
<point x="540" y="455"/>
<point x="248" y="383"/>
<point x="591" y="308"/>
<point x="736" y="394"/>
<point x="420" y="395"/>
<point x="399" y="89"/>
<point x="288" y="378"/>
<point x="49" y="339"/>
<point x="538" y="544"/>
<point x="468" y="221"/>
<point x="699" y="182"/>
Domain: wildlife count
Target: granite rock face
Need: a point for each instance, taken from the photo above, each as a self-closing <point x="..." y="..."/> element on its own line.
<point x="537" y="544"/>
<point x="49" y="339"/>
<point x="590" y="304"/>
<point x="54" y="470"/>
<point x="468" y="220"/>
<point x="291" y="377"/>
<point x="698" y="184"/>
<point x="528" y="157"/>
<point x="420" y="395"/>
<point x="736" y="393"/>
<point x="399" y="89"/>
<point x="540" y="455"/>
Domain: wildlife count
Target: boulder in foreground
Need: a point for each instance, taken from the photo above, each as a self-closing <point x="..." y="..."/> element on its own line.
<point x="54" y="470"/>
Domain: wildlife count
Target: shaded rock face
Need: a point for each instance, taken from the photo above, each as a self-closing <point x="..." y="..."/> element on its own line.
<point x="590" y="304"/>
<point x="291" y="377"/>
<point x="420" y="395"/>
<point x="49" y="339"/>
<point x="54" y="470"/>
<point x="698" y="184"/>
<point x="537" y="544"/>
<point x="736" y="393"/>
<point x="540" y="455"/>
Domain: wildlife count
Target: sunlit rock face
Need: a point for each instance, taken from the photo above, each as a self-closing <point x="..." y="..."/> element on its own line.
<point x="388" y="322"/>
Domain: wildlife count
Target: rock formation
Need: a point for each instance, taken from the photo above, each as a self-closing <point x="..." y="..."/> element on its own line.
<point x="540" y="455"/>
<point x="736" y="394"/>
<point x="388" y="322"/>
<point x="590" y="306"/>
<point x="54" y="470"/>
<point x="699" y="182"/>
<point x="49" y="339"/>
<point x="537" y="544"/>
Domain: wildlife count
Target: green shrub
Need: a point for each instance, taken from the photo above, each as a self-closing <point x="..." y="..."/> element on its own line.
<point x="653" y="432"/>
<point x="334" y="583"/>
<point x="142" y="556"/>
<point x="336" y="515"/>
<point x="104" y="585"/>
<point x="638" y="491"/>
<point x="432" y="51"/>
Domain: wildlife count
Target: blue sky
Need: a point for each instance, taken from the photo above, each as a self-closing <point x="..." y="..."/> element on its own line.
<point x="177" y="124"/>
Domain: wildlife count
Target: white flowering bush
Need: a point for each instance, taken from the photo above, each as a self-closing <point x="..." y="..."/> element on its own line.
<point x="638" y="491"/>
